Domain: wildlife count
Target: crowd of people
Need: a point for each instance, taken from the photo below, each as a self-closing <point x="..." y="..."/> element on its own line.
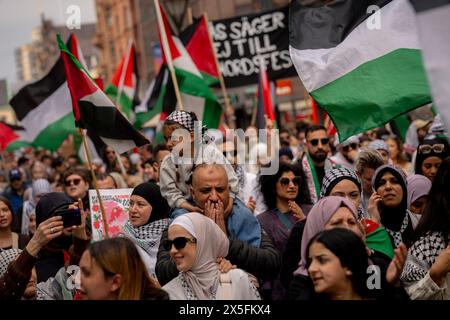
<point x="364" y="218"/>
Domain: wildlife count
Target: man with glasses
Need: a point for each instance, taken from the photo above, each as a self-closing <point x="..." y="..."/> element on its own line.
<point x="315" y="161"/>
<point x="250" y="247"/>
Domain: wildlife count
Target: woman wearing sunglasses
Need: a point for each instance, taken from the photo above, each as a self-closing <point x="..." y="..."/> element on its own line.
<point x="430" y="155"/>
<point x="195" y="243"/>
<point x="148" y="218"/>
<point x="284" y="195"/>
<point x="76" y="185"/>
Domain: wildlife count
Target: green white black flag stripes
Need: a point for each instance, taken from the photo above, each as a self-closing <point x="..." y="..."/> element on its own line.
<point x="94" y="111"/>
<point x="44" y="108"/>
<point x="433" y="17"/>
<point x="362" y="69"/>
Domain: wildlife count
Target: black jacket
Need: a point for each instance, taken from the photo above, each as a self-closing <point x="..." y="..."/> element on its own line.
<point x="263" y="262"/>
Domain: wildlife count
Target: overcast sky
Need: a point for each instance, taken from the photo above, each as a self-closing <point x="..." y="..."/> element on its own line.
<point x="19" y="17"/>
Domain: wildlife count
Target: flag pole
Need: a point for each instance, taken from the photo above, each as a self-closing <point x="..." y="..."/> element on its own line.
<point x="189" y="15"/>
<point x="222" y="82"/>
<point x="122" y="75"/>
<point x="94" y="180"/>
<point x="167" y="53"/>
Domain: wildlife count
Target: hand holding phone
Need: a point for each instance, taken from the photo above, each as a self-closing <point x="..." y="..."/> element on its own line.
<point x="71" y="217"/>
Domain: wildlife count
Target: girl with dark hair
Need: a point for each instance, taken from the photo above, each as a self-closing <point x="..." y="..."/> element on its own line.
<point x="286" y="208"/>
<point x="176" y="169"/>
<point x="286" y="204"/>
<point x="337" y="212"/>
<point x="338" y="264"/>
<point x="427" y="271"/>
<point x="113" y="270"/>
<point x="430" y="155"/>
<point x="148" y="217"/>
<point x="389" y="205"/>
<point x="8" y="238"/>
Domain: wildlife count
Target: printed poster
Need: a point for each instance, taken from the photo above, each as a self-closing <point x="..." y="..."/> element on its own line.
<point x="116" y="203"/>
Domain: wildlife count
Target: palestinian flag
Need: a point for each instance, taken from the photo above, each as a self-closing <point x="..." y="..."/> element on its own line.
<point x="198" y="44"/>
<point x="159" y="97"/>
<point x="11" y="137"/>
<point x="434" y="26"/>
<point x="264" y="106"/>
<point x="44" y="107"/>
<point x="94" y="111"/>
<point x="363" y="69"/>
<point x="124" y="87"/>
<point x="195" y="93"/>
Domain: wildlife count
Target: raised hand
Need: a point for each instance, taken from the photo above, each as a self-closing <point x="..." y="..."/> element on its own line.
<point x="395" y="268"/>
<point x="372" y="207"/>
<point x="45" y="232"/>
<point x="296" y="210"/>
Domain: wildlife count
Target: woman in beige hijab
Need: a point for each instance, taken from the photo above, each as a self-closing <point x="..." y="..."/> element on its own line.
<point x="195" y="243"/>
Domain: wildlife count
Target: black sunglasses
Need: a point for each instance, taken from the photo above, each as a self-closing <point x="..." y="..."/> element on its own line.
<point x="285" y="181"/>
<point x="76" y="182"/>
<point x="323" y="141"/>
<point x="179" y="243"/>
<point x="354" y="146"/>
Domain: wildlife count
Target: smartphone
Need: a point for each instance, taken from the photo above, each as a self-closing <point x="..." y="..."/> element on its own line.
<point x="71" y="217"/>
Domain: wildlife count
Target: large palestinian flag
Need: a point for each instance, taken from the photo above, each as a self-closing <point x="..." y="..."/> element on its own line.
<point x="94" y="111"/>
<point x="362" y="68"/>
<point x="124" y="86"/>
<point x="44" y="108"/>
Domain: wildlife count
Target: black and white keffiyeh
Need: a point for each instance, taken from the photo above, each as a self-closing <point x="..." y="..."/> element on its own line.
<point x="183" y="118"/>
<point x="334" y="176"/>
<point x="190" y="295"/>
<point x="147" y="236"/>
<point x="397" y="235"/>
<point x="6" y="257"/>
<point x="421" y="256"/>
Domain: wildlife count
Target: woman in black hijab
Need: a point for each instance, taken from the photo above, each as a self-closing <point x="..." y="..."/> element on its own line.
<point x="51" y="257"/>
<point x="148" y="218"/>
<point x="390" y="184"/>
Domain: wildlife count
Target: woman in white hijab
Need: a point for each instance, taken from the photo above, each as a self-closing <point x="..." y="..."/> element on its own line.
<point x="195" y="243"/>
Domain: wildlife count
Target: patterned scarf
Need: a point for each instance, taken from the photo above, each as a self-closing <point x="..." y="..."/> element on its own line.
<point x="312" y="181"/>
<point x="147" y="236"/>
<point x="190" y="295"/>
<point x="241" y="177"/>
<point x="397" y="235"/>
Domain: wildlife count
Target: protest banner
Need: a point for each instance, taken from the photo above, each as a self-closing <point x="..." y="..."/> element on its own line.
<point x="116" y="203"/>
<point x="242" y="42"/>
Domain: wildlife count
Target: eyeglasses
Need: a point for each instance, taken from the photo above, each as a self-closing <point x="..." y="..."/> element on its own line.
<point x="179" y="243"/>
<point x="76" y="182"/>
<point x="426" y="148"/>
<point x="354" y="146"/>
<point x="323" y="141"/>
<point x="285" y="181"/>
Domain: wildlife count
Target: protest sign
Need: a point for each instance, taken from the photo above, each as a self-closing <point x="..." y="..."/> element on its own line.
<point x="116" y="203"/>
<point x="242" y="42"/>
